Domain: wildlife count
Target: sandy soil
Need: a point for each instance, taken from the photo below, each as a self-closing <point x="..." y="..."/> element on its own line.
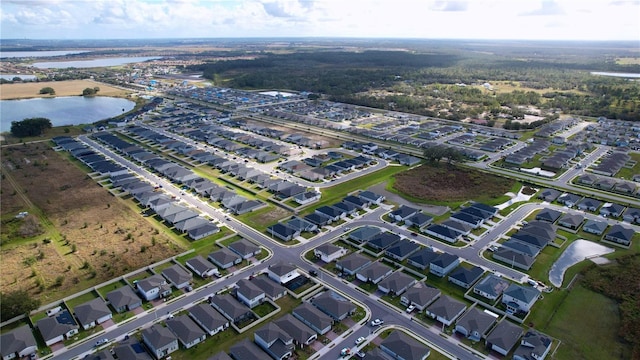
<point x="62" y="88"/>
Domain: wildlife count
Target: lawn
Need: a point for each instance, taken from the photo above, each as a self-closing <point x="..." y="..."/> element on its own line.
<point x="62" y="88"/>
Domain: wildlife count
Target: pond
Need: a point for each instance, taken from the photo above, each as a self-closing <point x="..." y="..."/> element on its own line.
<point x="104" y="62"/>
<point x="32" y="54"/>
<point x="574" y="253"/>
<point x="616" y="74"/>
<point x="67" y="110"/>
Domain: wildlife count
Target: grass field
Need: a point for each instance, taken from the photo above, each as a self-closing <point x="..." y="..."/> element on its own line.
<point x="62" y="88"/>
<point x="78" y="234"/>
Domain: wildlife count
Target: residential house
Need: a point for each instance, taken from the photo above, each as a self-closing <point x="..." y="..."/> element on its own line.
<point x="588" y="204"/>
<point x="224" y="258"/>
<point x="153" y="287"/>
<point x="548" y="215"/>
<point x="57" y="327"/>
<point x="443" y="264"/>
<point x="302" y="334"/>
<point x="571" y="221"/>
<point x="208" y="318"/>
<point x="123" y="299"/>
<point x="520" y="247"/>
<point x="352" y="263"/>
<point x="357" y="202"/>
<point x="274" y="341"/>
<point x="520" y="298"/>
<point x="403" y="213"/>
<point x="445" y="233"/>
<point x="374" y="272"/>
<point x="307" y="197"/>
<point x="549" y="195"/>
<point x="401" y="346"/>
<point x="371" y="197"/>
<point x="314" y="318"/>
<point x="245" y="248"/>
<point x="569" y="200"/>
<point x="248" y="293"/>
<point x="465" y="277"/>
<point x="631" y="215"/>
<point x="364" y="233"/>
<point x="131" y="349"/>
<point x="186" y="330"/>
<point x="202" y="267"/>
<point x="475" y="324"/>
<point x="491" y="287"/>
<point x="92" y="313"/>
<point x="402" y="249"/>
<point x="271" y="289"/>
<point x="446" y="309"/>
<point x="619" y="234"/>
<point x="283" y="231"/>
<point x="301" y="225"/>
<point x="420" y="295"/>
<point x="513" y="258"/>
<point x="612" y="210"/>
<point x="247" y="349"/>
<point x="18" y="343"/>
<point x="503" y="337"/>
<point x="191" y="223"/>
<point x="231" y="308"/>
<point x="202" y="231"/>
<point x="533" y="346"/>
<point x="595" y="227"/>
<point x="159" y="340"/>
<point x="422" y="258"/>
<point x="328" y="252"/>
<point x="383" y="241"/>
<point x="396" y="283"/>
<point x="334" y="305"/>
<point x="177" y="276"/>
<point x="282" y="273"/>
<point x="419" y="220"/>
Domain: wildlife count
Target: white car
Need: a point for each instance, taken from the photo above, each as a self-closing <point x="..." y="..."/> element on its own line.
<point x="411" y="308"/>
<point x="377" y="322"/>
<point x="360" y="340"/>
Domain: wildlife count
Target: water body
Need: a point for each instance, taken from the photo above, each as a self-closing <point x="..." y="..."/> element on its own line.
<point x="33" y="54"/>
<point x="105" y="62"/>
<point x="70" y="110"/>
<point x="23" y="77"/>
<point x="573" y="254"/>
<point x="615" y="74"/>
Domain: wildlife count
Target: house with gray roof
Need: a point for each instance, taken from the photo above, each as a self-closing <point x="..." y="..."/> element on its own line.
<point x="364" y="233"/>
<point x="503" y="337"/>
<point x="588" y="204"/>
<point x="190" y="223"/>
<point x="374" y="272"/>
<point x="186" y="330"/>
<point x="57" y="327"/>
<point x="249" y="293"/>
<point x="159" y="340"/>
<point x="465" y="277"/>
<point x="202" y="267"/>
<point x="443" y="232"/>
<point x="231" y="308"/>
<point x="274" y="341"/>
<point x="422" y="258"/>
<point x="282" y="272"/>
<point x="402" y="249"/>
<point x="419" y="220"/>
<point x="491" y="287"/>
<point x="569" y="200"/>
<point x="220" y="356"/>
<point x="612" y="210"/>
<point x="92" y="313"/>
<point x="153" y="287"/>
<point x="224" y="258"/>
<point x="571" y="221"/>
<point x="396" y="283"/>
<point x="619" y="234"/>
<point x="548" y="215"/>
<point x="271" y="289"/>
<point x="443" y="264"/>
<point x="475" y="324"/>
<point x="403" y="213"/>
<point x="247" y="349"/>
<point x="18" y="343"/>
<point x="177" y="276"/>
<point x="521" y="247"/>
<point x="283" y="231"/>
<point x="357" y="202"/>
<point x="446" y="309"/>
<point x="371" y="197"/>
<point x="513" y="258"/>
<point x="420" y="295"/>
<point x="208" y="318"/>
<point x="352" y="263"/>
<point x="301" y="225"/>
<point x="467" y="219"/>
<point x="631" y="215"/>
<point x="595" y="227"/>
<point x="402" y="346"/>
<point x="328" y="252"/>
<point x="383" y="241"/>
<point x="313" y="318"/>
<point x="520" y="298"/>
<point x="549" y="195"/>
<point x="131" y="349"/>
<point x="533" y="346"/>
<point x="245" y="248"/>
<point x="334" y="305"/>
<point x="123" y="299"/>
<point x="302" y="334"/>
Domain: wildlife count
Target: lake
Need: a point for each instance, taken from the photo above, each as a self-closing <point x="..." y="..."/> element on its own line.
<point x="574" y="253"/>
<point x="68" y="110"/>
<point x="104" y="62"/>
<point x="32" y="54"/>
<point x="615" y="74"/>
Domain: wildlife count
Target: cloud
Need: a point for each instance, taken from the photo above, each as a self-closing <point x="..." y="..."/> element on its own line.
<point x="624" y="2"/>
<point x="450" y="6"/>
<point x="287" y="8"/>
<point x="548" y="7"/>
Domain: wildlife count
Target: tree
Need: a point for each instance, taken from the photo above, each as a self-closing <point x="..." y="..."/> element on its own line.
<point x="16" y="79"/>
<point x="47" y="90"/>
<point x="30" y="127"/>
<point x="90" y="91"/>
<point x="17" y="303"/>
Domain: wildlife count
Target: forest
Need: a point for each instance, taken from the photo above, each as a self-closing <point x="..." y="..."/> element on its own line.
<point x="447" y="82"/>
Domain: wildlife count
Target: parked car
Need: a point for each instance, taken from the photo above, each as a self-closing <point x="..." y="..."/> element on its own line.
<point x="101" y="342"/>
<point x="377" y="322"/>
<point x="313" y="273"/>
<point x="361" y="354"/>
<point x="411" y="308"/>
<point x="360" y="340"/>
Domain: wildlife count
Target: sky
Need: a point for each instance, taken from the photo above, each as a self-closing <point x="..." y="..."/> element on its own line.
<point x="605" y="20"/>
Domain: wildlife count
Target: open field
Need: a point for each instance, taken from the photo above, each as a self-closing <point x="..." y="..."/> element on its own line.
<point x="82" y="235"/>
<point x="62" y="88"/>
<point x="446" y="184"/>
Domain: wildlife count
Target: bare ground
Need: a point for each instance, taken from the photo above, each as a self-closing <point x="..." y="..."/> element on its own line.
<point x="62" y="88"/>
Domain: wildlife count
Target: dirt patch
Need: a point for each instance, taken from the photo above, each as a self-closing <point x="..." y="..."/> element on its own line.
<point x="88" y="236"/>
<point x="330" y="142"/>
<point x="62" y="88"/>
<point x="446" y="183"/>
